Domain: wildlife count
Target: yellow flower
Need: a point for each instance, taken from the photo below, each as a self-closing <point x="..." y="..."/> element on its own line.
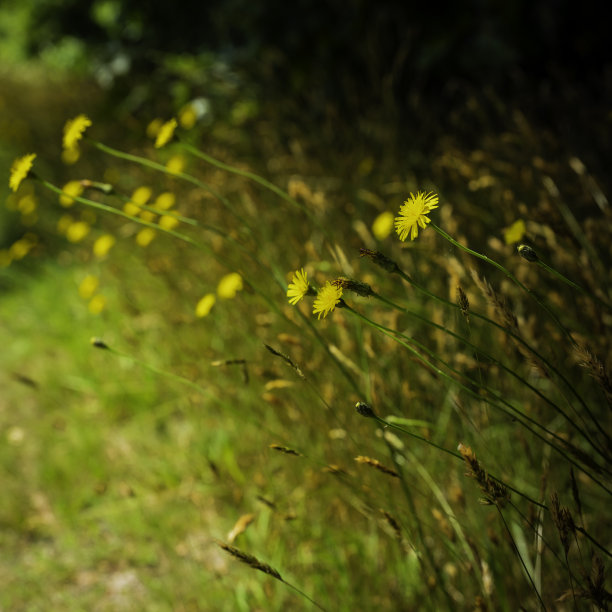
<point x="77" y="231"/>
<point x="413" y="214"/>
<point x="154" y="127"/>
<point x="515" y="232"/>
<point x="147" y="215"/>
<point x="188" y="116"/>
<point x="327" y="299"/>
<point x="145" y="236"/>
<point x="20" y="169"/>
<point x="141" y="195"/>
<point x="70" y="190"/>
<point x="74" y="130"/>
<point x="88" y="286"/>
<point x="229" y="285"/>
<point x="204" y="306"/>
<point x="165" y="200"/>
<point x="382" y="226"/>
<point x="298" y="287"/>
<point x="176" y="164"/>
<point x="103" y="245"/>
<point x="97" y="304"/>
<point x="168" y="222"/>
<point x="165" y="133"/>
<point x="27" y="204"/>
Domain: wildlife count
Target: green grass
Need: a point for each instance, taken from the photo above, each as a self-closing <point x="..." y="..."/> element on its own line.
<point x="123" y="469"/>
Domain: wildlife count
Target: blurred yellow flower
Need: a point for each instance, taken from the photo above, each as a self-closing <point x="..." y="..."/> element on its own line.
<point x="168" y="222"/>
<point x="147" y="215"/>
<point x="74" y="130"/>
<point x="229" y="285"/>
<point x="103" y="245"/>
<point x="298" y="287"/>
<point x="70" y="190"/>
<point x="97" y="304"/>
<point x="141" y="195"/>
<point x="71" y="156"/>
<point x="27" y="204"/>
<point x="88" y="286"/>
<point x="129" y="208"/>
<point x="413" y="214"/>
<point x="165" y="133"/>
<point x="327" y="299"/>
<point x="204" y="306"/>
<point x="515" y="232"/>
<point x="188" y="116"/>
<point x="165" y="200"/>
<point x="20" y="169"/>
<point x="5" y="258"/>
<point x="20" y="248"/>
<point x="154" y="127"/>
<point x="176" y="164"/>
<point x="383" y="225"/>
<point x="145" y="236"/>
<point x="63" y="223"/>
<point x="77" y="231"/>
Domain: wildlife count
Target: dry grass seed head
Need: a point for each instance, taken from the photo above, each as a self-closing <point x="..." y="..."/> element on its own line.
<point x="250" y="560"/>
<point x="377" y="465"/>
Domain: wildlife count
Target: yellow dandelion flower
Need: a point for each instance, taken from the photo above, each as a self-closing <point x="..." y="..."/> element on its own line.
<point x="168" y="222"/>
<point x="97" y="304"/>
<point x="103" y="245"/>
<point x="413" y="214"/>
<point x="165" y="133"/>
<point x="145" y="236"/>
<point x="327" y="299"/>
<point x="147" y="215"/>
<point x="71" y="190"/>
<point x="298" y="287"/>
<point x="88" y="286"/>
<point x="515" y="232"/>
<point x="176" y="164"/>
<point x="77" y="231"/>
<point x="165" y="200"/>
<point x="383" y="225"/>
<point x="27" y="204"/>
<point x="20" y="170"/>
<point x="74" y="130"/>
<point x="229" y="285"/>
<point x="129" y="208"/>
<point x="71" y="156"/>
<point x="20" y="248"/>
<point x="154" y="127"/>
<point x="204" y="306"/>
<point x="188" y="116"/>
<point x="141" y="195"/>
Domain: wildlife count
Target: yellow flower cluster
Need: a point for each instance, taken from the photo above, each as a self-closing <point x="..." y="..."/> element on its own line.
<point x="327" y="298"/>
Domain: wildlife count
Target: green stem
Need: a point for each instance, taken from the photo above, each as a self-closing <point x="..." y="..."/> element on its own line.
<point x="480" y="351"/>
<point x="394" y="335"/>
<point x="572" y="284"/>
<point x="511" y="276"/>
<point x="510" y="333"/>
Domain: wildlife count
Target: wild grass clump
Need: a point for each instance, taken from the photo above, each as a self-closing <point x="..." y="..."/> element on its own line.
<point x="407" y="422"/>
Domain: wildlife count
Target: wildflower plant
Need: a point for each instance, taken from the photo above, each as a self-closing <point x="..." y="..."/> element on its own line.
<point x="426" y="370"/>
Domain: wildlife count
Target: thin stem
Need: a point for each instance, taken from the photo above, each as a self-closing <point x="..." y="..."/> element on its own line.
<point x="493" y="360"/>
<point x="394" y="335"/>
<point x="509" y="274"/>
